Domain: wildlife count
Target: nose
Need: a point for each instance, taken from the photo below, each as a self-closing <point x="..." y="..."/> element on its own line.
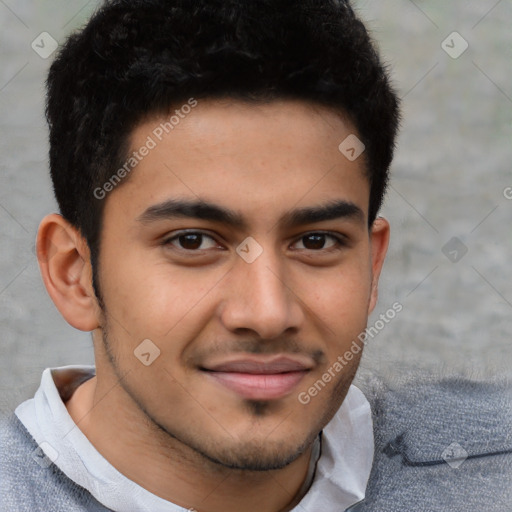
<point x="259" y="299"/>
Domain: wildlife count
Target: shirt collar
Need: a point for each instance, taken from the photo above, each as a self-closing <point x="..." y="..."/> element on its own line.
<point x="346" y="459"/>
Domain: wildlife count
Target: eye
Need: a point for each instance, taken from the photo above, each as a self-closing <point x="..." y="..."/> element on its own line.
<point x="319" y="241"/>
<point x="191" y="241"/>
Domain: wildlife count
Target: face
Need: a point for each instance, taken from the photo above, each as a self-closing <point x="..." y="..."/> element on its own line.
<point x="239" y="246"/>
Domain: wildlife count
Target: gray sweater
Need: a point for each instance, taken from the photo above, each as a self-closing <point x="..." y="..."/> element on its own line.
<point x="424" y="430"/>
<point x="441" y="445"/>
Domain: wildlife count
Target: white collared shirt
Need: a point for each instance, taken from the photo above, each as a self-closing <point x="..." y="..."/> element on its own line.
<point x="339" y="481"/>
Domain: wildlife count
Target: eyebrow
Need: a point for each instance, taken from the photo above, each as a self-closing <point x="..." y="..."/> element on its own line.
<point x="199" y="209"/>
<point x="338" y="209"/>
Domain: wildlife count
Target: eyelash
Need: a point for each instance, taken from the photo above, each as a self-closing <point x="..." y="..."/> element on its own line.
<point x="340" y="241"/>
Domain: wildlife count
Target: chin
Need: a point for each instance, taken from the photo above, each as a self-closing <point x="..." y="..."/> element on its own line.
<point x="258" y="456"/>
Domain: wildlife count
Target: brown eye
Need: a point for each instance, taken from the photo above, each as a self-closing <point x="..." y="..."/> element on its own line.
<point x="191" y="241"/>
<point x="318" y="241"/>
<point x="314" y="241"/>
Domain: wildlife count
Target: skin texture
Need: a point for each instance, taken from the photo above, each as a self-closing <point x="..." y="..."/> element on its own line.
<point x="170" y="426"/>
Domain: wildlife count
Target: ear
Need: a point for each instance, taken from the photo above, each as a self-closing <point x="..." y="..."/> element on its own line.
<point x="64" y="261"/>
<point x="379" y="240"/>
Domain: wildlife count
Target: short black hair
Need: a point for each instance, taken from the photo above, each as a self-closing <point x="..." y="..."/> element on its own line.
<point x="138" y="58"/>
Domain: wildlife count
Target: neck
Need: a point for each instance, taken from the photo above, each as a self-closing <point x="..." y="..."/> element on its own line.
<point x="164" y="466"/>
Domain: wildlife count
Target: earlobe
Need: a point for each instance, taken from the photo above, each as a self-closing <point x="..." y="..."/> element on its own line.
<point x="65" y="266"/>
<point x="379" y="241"/>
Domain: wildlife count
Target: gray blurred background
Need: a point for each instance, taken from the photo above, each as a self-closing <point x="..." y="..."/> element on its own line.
<point x="451" y="244"/>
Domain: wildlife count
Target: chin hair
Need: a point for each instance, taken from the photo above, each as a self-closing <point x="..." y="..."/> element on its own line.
<point x="256" y="458"/>
<point x="246" y="457"/>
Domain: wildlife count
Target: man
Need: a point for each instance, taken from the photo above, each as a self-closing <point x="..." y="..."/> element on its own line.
<point x="219" y="167"/>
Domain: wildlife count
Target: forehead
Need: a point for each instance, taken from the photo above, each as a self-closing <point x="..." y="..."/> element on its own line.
<point x="257" y="158"/>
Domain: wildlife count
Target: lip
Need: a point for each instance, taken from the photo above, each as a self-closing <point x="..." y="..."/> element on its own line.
<point x="260" y="378"/>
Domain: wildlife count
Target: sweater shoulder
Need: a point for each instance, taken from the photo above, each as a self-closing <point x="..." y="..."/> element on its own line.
<point x="29" y="480"/>
<point x="441" y="443"/>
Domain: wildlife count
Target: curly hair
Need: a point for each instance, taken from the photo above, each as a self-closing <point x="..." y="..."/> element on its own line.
<point x="136" y="58"/>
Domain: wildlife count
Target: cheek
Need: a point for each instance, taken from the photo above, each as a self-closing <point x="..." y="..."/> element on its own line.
<point x="344" y="291"/>
<point x="340" y="305"/>
<point x="154" y="300"/>
<point x="135" y="295"/>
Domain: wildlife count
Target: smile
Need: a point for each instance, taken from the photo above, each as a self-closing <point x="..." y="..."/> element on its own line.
<point x="256" y="379"/>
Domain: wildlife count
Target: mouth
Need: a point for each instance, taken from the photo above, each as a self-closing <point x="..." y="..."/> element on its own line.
<point x="260" y="378"/>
